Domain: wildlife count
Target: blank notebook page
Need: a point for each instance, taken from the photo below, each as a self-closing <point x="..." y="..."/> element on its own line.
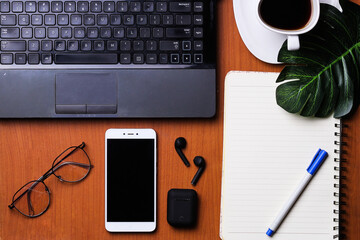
<point x="266" y="153"/>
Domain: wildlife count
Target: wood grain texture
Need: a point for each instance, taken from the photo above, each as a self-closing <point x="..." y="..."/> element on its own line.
<point x="28" y="147"/>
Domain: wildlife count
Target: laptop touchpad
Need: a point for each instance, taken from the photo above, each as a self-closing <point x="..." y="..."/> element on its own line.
<point x="84" y="93"/>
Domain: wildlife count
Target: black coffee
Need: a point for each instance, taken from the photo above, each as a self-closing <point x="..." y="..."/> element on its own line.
<point x="285" y="14"/>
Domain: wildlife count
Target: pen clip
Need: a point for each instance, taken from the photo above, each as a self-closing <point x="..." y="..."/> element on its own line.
<point x="317" y="161"/>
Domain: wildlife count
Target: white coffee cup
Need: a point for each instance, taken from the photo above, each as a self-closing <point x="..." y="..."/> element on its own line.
<point x="293" y="42"/>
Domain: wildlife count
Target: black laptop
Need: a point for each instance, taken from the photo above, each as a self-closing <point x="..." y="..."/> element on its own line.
<point x="116" y="59"/>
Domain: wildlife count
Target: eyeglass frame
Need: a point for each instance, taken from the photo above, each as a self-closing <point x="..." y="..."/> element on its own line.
<point x="47" y="174"/>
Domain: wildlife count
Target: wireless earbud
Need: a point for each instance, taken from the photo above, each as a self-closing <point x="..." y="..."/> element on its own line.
<point x="199" y="162"/>
<point x="180" y="143"/>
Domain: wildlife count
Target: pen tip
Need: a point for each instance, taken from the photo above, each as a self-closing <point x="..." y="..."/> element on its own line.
<point x="269" y="232"/>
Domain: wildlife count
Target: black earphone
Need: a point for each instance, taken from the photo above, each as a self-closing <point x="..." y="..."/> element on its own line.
<point x="180" y="143"/>
<point x="199" y="162"/>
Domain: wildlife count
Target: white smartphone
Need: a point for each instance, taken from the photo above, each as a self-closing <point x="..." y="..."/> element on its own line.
<point x="130" y="180"/>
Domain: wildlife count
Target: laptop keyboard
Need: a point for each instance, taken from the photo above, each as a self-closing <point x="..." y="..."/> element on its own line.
<point x="103" y="32"/>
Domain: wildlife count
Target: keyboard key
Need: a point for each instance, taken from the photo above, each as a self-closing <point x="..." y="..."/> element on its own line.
<point x="112" y="45"/>
<point x="183" y="19"/>
<point x="56" y="7"/>
<point x="24" y="20"/>
<point x="180" y="7"/>
<point x="63" y="19"/>
<point x="8" y="20"/>
<point x="145" y="32"/>
<point x="154" y="19"/>
<point x="186" y="45"/>
<point x="75" y="19"/>
<point x="20" y="58"/>
<point x="198" y="20"/>
<point x="79" y="32"/>
<point x="125" y="58"/>
<point x="66" y="32"/>
<point x="46" y="45"/>
<point x="6" y="58"/>
<point x="174" y="58"/>
<point x="105" y="32"/>
<point x="17" y="7"/>
<point x="198" y="32"/>
<point x="131" y="32"/>
<point x="138" y="58"/>
<point x="135" y="6"/>
<point x="53" y="32"/>
<point x="198" y="45"/>
<point x="85" y="45"/>
<point x="158" y="32"/>
<point x="148" y="7"/>
<point x="44" y="7"/>
<point x="198" y="58"/>
<point x="89" y="19"/>
<point x="40" y="33"/>
<point x="70" y="7"/>
<point x="151" y="58"/>
<point x="163" y="59"/>
<point x="151" y="45"/>
<point x="46" y="58"/>
<point x="102" y="20"/>
<point x="161" y="6"/>
<point x="115" y="19"/>
<point x="36" y="20"/>
<point x="34" y="58"/>
<point x="178" y="32"/>
<point x="128" y="19"/>
<point x="99" y="45"/>
<point x="73" y="45"/>
<point x="186" y="58"/>
<point x="122" y="6"/>
<point x="138" y="45"/>
<point x="169" y="45"/>
<point x="168" y="19"/>
<point x="109" y="7"/>
<point x="27" y="33"/>
<point x="10" y="33"/>
<point x="16" y="46"/>
<point x="83" y="6"/>
<point x="95" y="6"/>
<point x="119" y="32"/>
<point x="125" y="45"/>
<point x="60" y="45"/>
<point x="30" y="6"/>
<point x="34" y="45"/>
<point x="97" y="58"/>
<point x="4" y="6"/>
<point x="93" y="32"/>
<point x="141" y="19"/>
<point x="198" y="7"/>
<point x="49" y="19"/>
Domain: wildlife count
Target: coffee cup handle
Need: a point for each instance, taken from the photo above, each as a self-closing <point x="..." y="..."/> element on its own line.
<point x="293" y="42"/>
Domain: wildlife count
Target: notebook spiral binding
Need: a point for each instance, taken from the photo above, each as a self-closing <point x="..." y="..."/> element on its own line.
<point x="339" y="167"/>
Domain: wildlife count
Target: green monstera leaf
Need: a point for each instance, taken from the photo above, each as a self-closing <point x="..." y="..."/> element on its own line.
<point x="323" y="76"/>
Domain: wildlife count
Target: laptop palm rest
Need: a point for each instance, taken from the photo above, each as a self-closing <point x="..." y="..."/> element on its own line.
<point x="84" y="93"/>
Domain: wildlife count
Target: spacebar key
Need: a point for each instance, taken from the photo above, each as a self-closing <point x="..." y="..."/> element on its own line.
<point x="86" y="58"/>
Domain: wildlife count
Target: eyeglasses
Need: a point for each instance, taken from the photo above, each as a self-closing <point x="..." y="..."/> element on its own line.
<point x="33" y="199"/>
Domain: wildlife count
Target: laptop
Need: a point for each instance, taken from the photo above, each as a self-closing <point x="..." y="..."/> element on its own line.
<point x="107" y="59"/>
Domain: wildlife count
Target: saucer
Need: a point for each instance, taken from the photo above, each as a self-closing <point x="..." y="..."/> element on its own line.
<point x="261" y="42"/>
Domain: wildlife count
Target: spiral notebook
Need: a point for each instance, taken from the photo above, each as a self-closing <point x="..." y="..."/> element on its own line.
<point x="266" y="153"/>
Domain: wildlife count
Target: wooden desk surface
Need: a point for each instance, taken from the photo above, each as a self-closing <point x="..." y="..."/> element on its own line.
<point x="28" y="147"/>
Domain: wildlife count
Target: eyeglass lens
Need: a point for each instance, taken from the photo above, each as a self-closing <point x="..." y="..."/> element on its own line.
<point x="32" y="199"/>
<point x="73" y="167"/>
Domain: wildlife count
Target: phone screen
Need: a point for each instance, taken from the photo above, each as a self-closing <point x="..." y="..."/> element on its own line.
<point x="130" y="180"/>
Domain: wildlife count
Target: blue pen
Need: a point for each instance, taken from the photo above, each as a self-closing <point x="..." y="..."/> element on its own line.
<point x="315" y="164"/>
